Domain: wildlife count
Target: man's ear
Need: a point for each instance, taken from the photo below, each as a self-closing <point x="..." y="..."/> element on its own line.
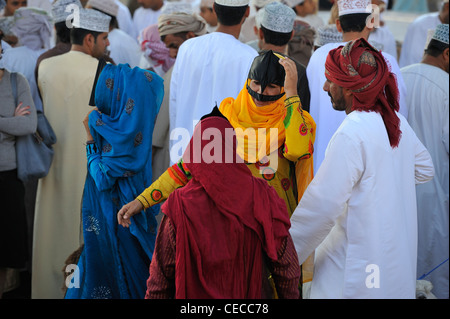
<point x="261" y="35"/>
<point x="338" y="26"/>
<point x="446" y="54"/>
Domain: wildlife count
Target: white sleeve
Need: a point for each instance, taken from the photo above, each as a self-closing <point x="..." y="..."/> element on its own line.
<point x="327" y="195"/>
<point x="424" y="168"/>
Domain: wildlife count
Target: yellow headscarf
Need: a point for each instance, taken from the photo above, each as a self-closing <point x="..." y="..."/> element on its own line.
<point x="254" y="125"/>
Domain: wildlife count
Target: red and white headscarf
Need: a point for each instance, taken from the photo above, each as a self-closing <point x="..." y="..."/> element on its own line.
<point x="361" y="68"/>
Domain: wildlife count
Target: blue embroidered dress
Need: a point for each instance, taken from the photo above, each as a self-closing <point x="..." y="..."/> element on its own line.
<point x="115" y="260"/>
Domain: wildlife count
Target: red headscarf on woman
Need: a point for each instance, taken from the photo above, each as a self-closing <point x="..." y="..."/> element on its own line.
<point x="224" y="218"/>
<point x="361" y="68"/>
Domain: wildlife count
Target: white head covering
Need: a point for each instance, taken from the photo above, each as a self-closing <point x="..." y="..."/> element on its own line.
<point x="327" y="34"/>
<point x="92" y="20"/>
<point x="107" y="6"/>
<point x="278" y="17"/>
<point x="233" y="3"/>
<point x="59" y="8"/>
<point x="292" y="3"/>
<point x="33" y="27"/>
<point x="354" y="6"/>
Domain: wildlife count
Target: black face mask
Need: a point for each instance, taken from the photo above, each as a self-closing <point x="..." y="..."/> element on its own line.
<point x="266" y="69"/>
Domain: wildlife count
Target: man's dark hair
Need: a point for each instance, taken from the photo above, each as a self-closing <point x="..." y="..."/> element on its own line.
<point x="436" y="48"/>
<point x="229" y="16"/>
<point x="355" y="22"/>
<point x="77" y="35"/>
<point x="62" y="32"/>
<point x="276" y="38"/>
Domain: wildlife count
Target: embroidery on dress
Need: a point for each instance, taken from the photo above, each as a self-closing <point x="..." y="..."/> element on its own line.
<point x="106" y="148"/>
<point x="101" y="292"/>
<point x="138" y="139"/>
<point x="92" y="225"/>
<point x="149" y="76"/>
<point x="129" y="106"/>
<point x="110" y="83"/>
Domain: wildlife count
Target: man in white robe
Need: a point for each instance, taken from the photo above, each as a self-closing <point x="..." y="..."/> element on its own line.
<point x="416" y="35"/>
<point x="327" y="119"/>
<point x="147" y="14"/>
<point x="65" y="83"/>
<point x="359" y="211"/>
<point x="208" y="69"/>
<point x="428" y="84"/>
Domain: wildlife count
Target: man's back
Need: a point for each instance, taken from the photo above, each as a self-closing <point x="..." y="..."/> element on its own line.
<point x="371" y="251"/>
<point x="428" y="103"/>
<point x="208" y="69"/>
<point x="328" y="119"/>
<point x="65" y="82"/>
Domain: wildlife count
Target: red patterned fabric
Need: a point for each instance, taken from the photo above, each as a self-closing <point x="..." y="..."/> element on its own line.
<point x="361" y="68"/>
<point x="224" y="218"/>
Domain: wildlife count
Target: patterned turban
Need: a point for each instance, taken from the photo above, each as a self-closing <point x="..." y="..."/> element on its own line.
<point x="362" y="69"/>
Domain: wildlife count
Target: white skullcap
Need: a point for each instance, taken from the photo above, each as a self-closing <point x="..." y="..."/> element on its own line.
<point x="92" y="20"/>
<point x="233" y="3"/>
<point x="107" y="6"/>
<point x="176" y="6"/>
<point x="327" y="34"/>
<point x="353" y="6"/>
<point x="59" y="9"/>
<point x="278" y="17"/>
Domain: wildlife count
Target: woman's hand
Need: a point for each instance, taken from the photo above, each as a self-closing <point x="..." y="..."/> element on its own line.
<point x="291" y="78"/>
<point x="22" y="110"/>
<point x="127" y="211"/>
<point x="86" y="124"/>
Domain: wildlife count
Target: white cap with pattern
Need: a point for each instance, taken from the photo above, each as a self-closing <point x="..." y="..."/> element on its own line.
<point x="278" y="17"/>
<point x="93" y="20"/>
<point x="233" y="3"/>
<point x="353" y="6"/>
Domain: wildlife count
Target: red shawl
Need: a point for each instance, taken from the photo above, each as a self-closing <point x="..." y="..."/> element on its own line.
<point x="360" y="67"/>
<point x="224" y="218"/>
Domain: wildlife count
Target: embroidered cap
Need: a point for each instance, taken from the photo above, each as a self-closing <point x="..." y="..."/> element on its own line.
<point x="176" y="6"/>
<point x="233" y="3"/>
<point x="441" y="33"/>
<point x="92" y="20"/>
<point x="2" y="4"/>
<point x="353" y="6"/>
<point x="327" y="34"/>
<point x="107" y="6"/>
<point x="6" y="23"/>
<point x="278" y="17"/>
<point x="59" y="8"/>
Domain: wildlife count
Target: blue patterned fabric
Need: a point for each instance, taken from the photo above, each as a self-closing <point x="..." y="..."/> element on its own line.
<point x="115" y="260"/>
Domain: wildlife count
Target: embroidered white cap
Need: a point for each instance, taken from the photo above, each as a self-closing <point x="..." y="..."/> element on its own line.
<point x="278" y="17"/>
<point x="107" y="6"/>
<point x="59" y="8"/>
<point x="262" y="3"/>
<point x="92" y="20"/>
<point x="233" y="3"/>
<point x="353" y="6"/>
<point x="441" y="33"/>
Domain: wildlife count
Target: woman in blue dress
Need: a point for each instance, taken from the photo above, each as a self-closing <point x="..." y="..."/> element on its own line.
<point x="115" y="260"/>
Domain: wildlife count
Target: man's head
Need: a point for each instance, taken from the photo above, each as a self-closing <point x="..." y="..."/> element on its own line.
<point x="12" y="5"/>
<point x="231" y="12"/>
<point x="207" y="12"/>
<point x="33" y="27"/>
<point x="444" y="12"/>
<point x="277" y="24"/>
<point x="60" y="17"/>
<point x="358" y="78"/>
<point x="177" y="27"/>
<point x="151" y="4"/>
<point x="90" y="32"/>
<point x="438" y="48"/>
<point x="302" y="7"/>
<point x="353" y="17"/>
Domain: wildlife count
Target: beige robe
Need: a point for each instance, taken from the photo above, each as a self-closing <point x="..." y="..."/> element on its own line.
<point x="65" y="82"/>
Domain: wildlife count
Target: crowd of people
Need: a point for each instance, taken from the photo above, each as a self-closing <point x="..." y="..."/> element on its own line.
<point x="225" y="149"/>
